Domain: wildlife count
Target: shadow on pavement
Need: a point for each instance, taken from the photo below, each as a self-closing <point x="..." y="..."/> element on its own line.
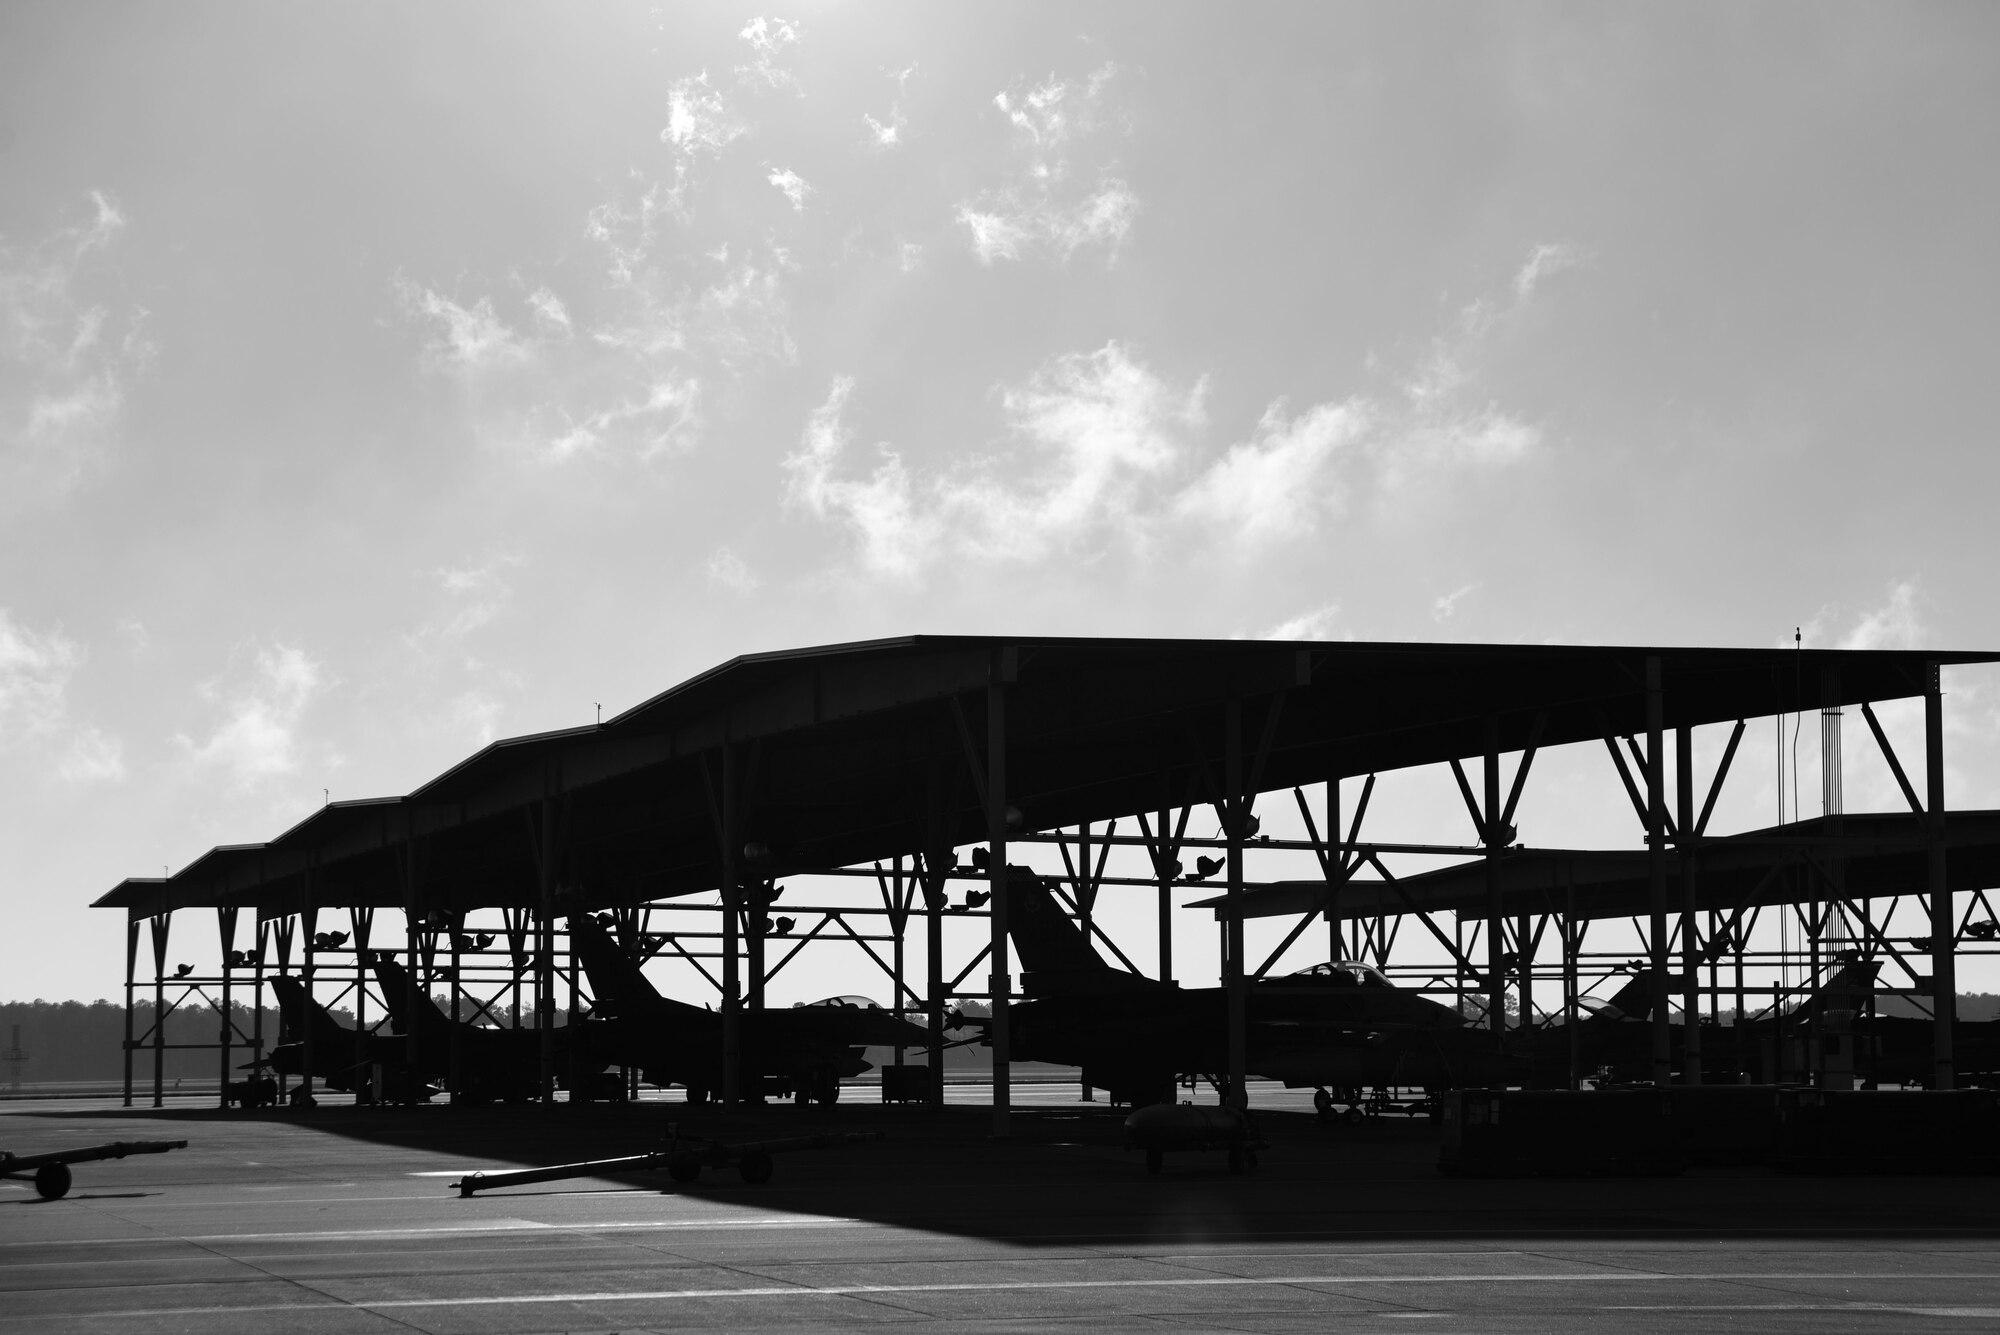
<point x="1061" y="1177"/>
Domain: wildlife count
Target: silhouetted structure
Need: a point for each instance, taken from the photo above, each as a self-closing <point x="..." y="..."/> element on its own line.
<point x="885" y="759"/>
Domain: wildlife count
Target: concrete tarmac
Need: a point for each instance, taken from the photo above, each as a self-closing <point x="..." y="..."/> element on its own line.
<point x="342" y="1220"/>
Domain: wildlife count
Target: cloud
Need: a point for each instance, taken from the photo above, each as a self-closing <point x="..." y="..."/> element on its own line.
<point x="629" y="384"/>
<point x="1314" y="625"/>
<point x="727" y="570"/>
<point x="478" y="714"/>
<point x="895" y="539"/>
<point x="1545" y="262"/>
<point x="1102" y="454"/>
<point x="889" y="133"/>
<point x="92" y="756"/>
<point x="1895" y="624"/>
<point x="470" y="338"/>
<point x="768" y="40"/>
<point x="477" y="593"/>
<point x="1275" y="484"/>
<point x="68" y="355"/>
<point x="1091" y="435"/>
<point x="1444" y="605"/>
<point x="262" y="707"/>
<point x="35" y="672"/>
<point x="1052" y="202"/>
<point x="792" y="186"/>
<point x="453" y="681"/>
<point x="699" y="121"/>
<point x="35" y="669"/>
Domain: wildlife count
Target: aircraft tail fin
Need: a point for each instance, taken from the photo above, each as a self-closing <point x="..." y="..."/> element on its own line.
<point x="1635" y="999"/>
<point x="1056" y="957"/>
<point x="296" y="1012"/>
<point x="431" y="1025"/>
<point x="617" y="982"/>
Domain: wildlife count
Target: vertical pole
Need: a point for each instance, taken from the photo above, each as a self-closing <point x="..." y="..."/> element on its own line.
<point x="1001" y="983"/>
<point x="1234" y="812"/>
<point x="1163" y="872"/>
<point x="161" y="924"/>
<point x="902" y="922"/>
<point x="1336" y="856"/>
<point x="131" y="966"/>
<point x="1086" y="902"/>
<point x="456" y="926"/>
<point x="367" y="1074"/>
<point x="1572" y="946"/>
<point x="573" y="1031"/>
<point x="1944" y="928"/>
<point x="1491" y="838"/>
<point x="1524" y="969"/>
<point x="934" y="884"/>
<point x="1656" y="863"/>
<point x="308" y="925"/>
<point x="225" y="922"/>
<point x="415" y="993"/>
<point x="257" y="995"/>
<point x="732" y="944"/>
<point x="1690" y="915"/>
<point x="545" y="998"/>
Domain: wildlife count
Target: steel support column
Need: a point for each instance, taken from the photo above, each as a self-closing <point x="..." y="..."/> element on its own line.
<point x="545" y="989"/>
<point x="1656" y="864"/>
<point x="225" y="925"/>
<point x="308" y="928"/>
<point x="1690" y="946"/>
<point x="160" y="925"/>
<point x="1001" y="984"/>
<point x="1335" y="863"/>
<point x="732" y="943"/>
<point x="1496" y="937"/>
<point x="413" y="985"/>
<point x="938" y="861"/>
<point x="1944" y="925"/>
<point x="131" y="967"/>
<point x="1233" y="815"/>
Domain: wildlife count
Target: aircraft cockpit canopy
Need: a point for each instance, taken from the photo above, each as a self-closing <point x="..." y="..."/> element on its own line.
<point x="849" y="1002"/>
<point x="1345" y="973"/>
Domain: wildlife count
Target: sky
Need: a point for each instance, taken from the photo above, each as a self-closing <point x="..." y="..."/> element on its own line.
<point x="377" y="381"/>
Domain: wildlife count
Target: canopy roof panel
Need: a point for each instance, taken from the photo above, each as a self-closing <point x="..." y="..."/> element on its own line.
<point x="847" y="753"/>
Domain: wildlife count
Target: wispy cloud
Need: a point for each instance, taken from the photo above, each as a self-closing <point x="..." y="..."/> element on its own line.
<point x="262" y="705"/>
<point x="1545" y="262"/>
<point x="792" y="186"/>
<point x="1276" y="485"/>
<point x="769" y="40"/>
<point x="1896" y="623"/>
<point x="1092" y="437"/>
<point x="1445" y="604"/>
<point x="454" y="680"/>
<point x="35" y="672"/>
<point x="889" y="133"/>
<point x="1054" y="201"/>
<point x="699" y="119"/>
<point x="1102" y="453"/>
<point x="68" y="354"/>
<point x="1318" y="624"/>
<point x="727" y="570"/>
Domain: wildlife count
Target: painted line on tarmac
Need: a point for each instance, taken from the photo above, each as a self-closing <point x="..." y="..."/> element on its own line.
<point x="487" y="1227"/>
<point x="1076" y="1285"/>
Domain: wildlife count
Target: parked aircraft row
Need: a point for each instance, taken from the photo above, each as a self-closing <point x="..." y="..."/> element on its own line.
<point x="1340" y="1026"/>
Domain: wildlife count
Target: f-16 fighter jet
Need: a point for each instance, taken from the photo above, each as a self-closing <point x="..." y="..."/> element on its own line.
<point x="340" y="1060"/>
<point x="799" y="1050"/>
<point x="493" y="1063"/>
<point x="1336" y="1024"/>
